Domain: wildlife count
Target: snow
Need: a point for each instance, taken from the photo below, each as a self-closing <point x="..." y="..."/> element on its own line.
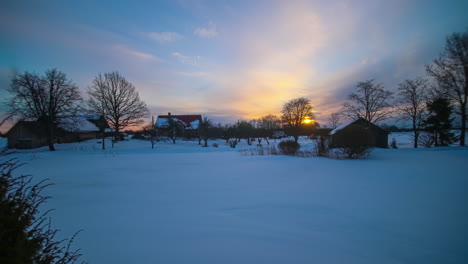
<point x="340" y="127"/>
<point x="77" y="124"/>
<point x="163" y="122"/>
<point x="194" y="124"/>
<point x="186" y="204"/>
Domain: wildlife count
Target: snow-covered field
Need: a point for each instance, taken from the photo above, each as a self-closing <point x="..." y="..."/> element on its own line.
<point x="186" y="204"/>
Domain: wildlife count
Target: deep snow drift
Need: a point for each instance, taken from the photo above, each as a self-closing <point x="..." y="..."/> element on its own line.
<point x="186" y="204"/>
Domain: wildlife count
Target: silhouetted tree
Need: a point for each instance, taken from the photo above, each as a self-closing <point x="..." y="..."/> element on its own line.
<point x="267" y="125"/>
<point x="174" y="128"/>
<point x="44" y="98"/>
<point x="334" y="119"/>
<point x="370" y="101"/>
<point x="204" y="130"/>
<point x="112" y="95"/>
<point x="294" y="113"/>
<point x="412" y="99"/>
<point x="450" y="71"/>
<point x="153" y="137"/>
<point x="244" y="130"/>
<point x="439" y="122"/>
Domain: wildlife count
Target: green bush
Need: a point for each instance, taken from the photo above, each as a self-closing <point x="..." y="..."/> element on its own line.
<point x="289" y="147"/>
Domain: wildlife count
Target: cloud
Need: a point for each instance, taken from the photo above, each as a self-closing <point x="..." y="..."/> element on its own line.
<point x="135" y="53"/>
<point x="186" y="59"/>
<point x="208" y="32"/>
<point x="165" y="36"/>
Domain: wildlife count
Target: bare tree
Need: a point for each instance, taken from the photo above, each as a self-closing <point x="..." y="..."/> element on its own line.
<point x="295" y="112"/>
<point x="412" y="99"/>
<point x="44" y="98"/>
<point x="267" y="125"/>
<point x="450" y="71"/>
<point x="117" y="99"/>
<point x="153" y="134"/>
<point x="334" y="119"/>
<point x="204" y="130"/>
<point x="370" y="101"/>
<point x="269" y="122"/>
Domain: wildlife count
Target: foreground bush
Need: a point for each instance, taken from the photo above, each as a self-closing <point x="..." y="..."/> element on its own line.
<point x="25" y="234"/>
<point x="354" y="151"/>
<point x="321" y="147"/>
<point x="289" y="147"/>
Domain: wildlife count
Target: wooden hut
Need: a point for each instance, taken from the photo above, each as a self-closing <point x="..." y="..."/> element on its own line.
<point x="359" y="132"/>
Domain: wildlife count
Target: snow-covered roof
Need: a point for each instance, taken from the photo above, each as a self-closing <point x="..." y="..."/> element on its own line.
<point x="340" y="127"/>
<point x="194" y="124"/>
<point x="188" y="121"/>
<point x="77" y="124"/>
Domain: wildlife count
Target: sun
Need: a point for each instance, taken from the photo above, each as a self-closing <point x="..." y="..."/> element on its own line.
<point x="307" y="120"/>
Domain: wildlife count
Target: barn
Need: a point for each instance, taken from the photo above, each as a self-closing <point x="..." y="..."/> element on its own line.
<point x="32" y="134"/>
<point x="359" y="132"/>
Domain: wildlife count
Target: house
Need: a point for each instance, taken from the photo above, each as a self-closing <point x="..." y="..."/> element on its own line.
<point x="32" y="134"/>
<point x="359" y="132"/>
<point x="79" y="128"/>
<point x="188" y="124"/>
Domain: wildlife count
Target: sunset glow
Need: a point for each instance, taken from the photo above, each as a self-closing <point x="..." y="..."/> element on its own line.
<point x="230" y="60"/>
<point x="308" y="121"/>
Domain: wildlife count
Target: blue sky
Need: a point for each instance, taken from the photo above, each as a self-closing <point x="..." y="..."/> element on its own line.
<point x="229" y="60"/>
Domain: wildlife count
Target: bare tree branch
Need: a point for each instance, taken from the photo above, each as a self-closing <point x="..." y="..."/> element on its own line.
<point x="370" y="101"/>
<point x="117" y="99"/>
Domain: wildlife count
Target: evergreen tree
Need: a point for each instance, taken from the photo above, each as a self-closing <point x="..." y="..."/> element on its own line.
<point x="439" y="121"/>
<point x="26" y="235"/>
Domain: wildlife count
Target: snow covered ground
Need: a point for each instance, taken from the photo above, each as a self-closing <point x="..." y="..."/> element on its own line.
<point x="186" y="204"/>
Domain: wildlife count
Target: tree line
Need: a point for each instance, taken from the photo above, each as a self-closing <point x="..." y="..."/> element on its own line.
<point x="427" y="103"/>
<point x="52" y="96"/>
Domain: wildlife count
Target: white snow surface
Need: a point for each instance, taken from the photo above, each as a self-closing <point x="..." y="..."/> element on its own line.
<point x="186" y="204"/>
<point x="77" y="124"/>
<point x="340" y="127"/>
<point x="194" y="124"/>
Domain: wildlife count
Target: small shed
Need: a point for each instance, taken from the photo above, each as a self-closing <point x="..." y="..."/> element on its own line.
<point x="33" y="134"/>
<point x="359" y="132"/>
<point x="27" y="135"/>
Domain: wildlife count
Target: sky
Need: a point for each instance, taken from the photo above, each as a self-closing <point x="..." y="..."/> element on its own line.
<point x="229" y="60"/>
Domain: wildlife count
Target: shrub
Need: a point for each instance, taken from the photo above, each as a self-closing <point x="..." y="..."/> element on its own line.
<point x="354" y="151"/>
<point x="322" y="147"/>
<point x="427" y="140"/>
<point x="25" y="234"/>
<point x="289" y="147"/>
<point x="215" y="145"/>
<point x="260" y="151"/>
<point x="232" y="143"/>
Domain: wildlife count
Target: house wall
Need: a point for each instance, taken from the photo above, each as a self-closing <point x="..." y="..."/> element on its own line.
<point x="77" y="137"/>
<point x="26" y="136"/>
<point x="21" y="136"/>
